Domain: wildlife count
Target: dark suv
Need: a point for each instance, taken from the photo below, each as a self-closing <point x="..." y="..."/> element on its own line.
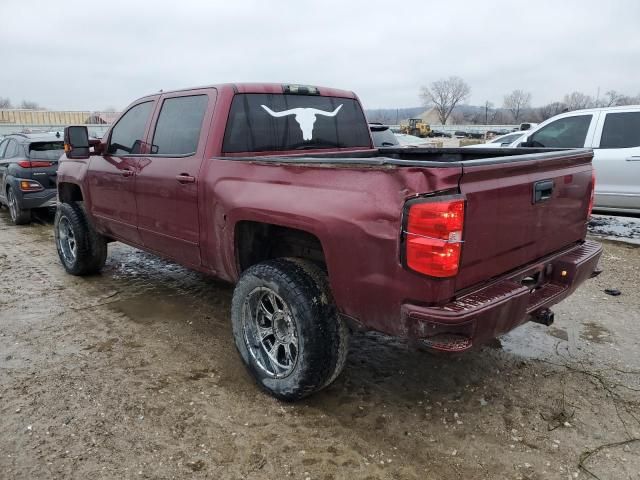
<point x="28" y="165"/>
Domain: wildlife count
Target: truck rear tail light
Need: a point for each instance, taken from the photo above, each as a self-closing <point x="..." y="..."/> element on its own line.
<point x="30" y="186"/>
<point x="434" y="237"/>
<point x="593" y="192"/>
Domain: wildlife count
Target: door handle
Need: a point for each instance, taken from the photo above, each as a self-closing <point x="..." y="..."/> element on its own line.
<point x="185" y="178"/>
<point x="633" y="159"/>
<point x="542" y="190"/>
<point x="127" y="172"/>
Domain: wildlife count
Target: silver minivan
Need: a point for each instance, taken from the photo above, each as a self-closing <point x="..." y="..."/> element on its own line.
<point x="614" y="135"/>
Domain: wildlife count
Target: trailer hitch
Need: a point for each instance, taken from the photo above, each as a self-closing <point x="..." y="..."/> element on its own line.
<point x="544" y="316"/>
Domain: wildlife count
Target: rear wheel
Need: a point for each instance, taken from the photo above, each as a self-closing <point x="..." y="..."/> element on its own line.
<point x="19" y="216"/>
<point x="287" y="329"/>
<point x="81" y="249"/>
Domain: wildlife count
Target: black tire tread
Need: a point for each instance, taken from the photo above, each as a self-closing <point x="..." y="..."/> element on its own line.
<point x="343" y="334"/>
<point x="24" y="215"/>
<point x="326" y="341"/>
<point x="91" y="246"/>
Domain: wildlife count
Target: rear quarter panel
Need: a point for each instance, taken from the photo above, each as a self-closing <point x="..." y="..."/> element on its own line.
<point x="354" y="211"/>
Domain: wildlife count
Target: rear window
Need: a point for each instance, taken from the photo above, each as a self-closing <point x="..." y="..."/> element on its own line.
<point x="275" y="122"/>
<point x="46" y="150"/>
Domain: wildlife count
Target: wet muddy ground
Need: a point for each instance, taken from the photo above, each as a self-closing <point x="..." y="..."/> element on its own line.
<point x="616" y="227"/>
<point x="133" y="374"/>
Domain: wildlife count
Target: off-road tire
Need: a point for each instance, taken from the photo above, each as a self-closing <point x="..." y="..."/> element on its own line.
<point x="91" y="247"/>
<point x="19" y="216"/>
<point x="322" y="335"/>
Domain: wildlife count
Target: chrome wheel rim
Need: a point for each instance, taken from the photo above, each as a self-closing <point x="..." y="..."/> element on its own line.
<point x="270" y="332"/>
<point x="67" y="241"/>
<point x="13" y="205"/>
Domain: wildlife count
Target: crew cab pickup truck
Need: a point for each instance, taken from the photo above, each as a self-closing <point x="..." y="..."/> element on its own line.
<point x="278" y="189"/>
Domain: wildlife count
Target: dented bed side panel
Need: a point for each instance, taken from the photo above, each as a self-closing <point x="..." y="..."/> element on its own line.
<point x="355" y="212"/>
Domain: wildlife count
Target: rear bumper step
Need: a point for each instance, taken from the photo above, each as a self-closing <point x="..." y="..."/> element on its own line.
<point x="493" y="310"/>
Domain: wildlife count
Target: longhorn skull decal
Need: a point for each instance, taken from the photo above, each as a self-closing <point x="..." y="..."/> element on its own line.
<point x="305" y="117"/>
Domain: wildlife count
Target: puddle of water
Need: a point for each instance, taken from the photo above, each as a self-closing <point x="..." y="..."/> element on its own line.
<point x="534" y="341"/>
<point x="146" y="310"/>
<point x="626" y="229"/>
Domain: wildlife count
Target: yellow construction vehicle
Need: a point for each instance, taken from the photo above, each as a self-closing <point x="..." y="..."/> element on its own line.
<point x="417" y="127"/>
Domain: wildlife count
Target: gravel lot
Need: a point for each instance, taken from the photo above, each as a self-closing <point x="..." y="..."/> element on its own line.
<point x="133" y="374"/>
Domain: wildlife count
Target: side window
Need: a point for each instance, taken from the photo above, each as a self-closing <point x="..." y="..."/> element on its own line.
<point x="179" y="124"/>
<point x="569" y="132"/>
<point x="12" y="149"/>
<point x="126" y="136"/>
<point x="621" y="130"/>
<point x="3" y="147"/>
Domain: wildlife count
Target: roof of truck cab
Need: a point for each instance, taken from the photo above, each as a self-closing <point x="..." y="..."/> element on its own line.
<point x="260" y="88"/>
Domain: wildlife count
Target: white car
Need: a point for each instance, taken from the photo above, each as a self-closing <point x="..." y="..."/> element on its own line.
<point x="501" y="141"/>
<point x="412" y="141"/>
<point x="614" y="135"/>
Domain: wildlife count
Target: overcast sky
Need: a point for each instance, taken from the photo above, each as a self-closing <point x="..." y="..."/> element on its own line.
<point x="81" y="55"/>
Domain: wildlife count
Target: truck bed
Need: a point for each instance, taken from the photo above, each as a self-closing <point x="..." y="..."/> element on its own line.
<point x="423" y="157"/>
<point x="362" y="196"/>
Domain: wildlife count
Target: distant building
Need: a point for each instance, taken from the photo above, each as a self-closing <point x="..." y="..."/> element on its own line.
<point x="51" y="118"/>
<point x="25" y="121"/>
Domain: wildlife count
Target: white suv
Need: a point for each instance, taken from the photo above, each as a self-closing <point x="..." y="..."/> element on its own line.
<point x="614" y="135"/>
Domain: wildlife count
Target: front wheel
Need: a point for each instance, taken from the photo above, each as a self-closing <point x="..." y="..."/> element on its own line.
<point x="287" y="329"/>
<point x="81" y="249"/>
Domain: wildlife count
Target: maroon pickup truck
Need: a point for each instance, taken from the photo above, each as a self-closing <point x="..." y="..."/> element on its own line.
<point x="278" y="189"/>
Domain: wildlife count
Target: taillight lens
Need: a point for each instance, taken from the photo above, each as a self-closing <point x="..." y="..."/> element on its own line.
<point x="434" y="237"/>
<point x="34" y="164"/>
<point x="593" y="192"/>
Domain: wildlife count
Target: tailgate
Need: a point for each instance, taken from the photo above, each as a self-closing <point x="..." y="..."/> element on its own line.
<point x="506" y="227"/>
<point x="44" y="158"/>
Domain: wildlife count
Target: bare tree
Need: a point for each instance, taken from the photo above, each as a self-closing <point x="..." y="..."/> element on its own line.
<point x="516" y="102"/>
<point x="627" y="100"/>
<point x="611" y="99"/>
<point x="29" y="105"/>
<point x="549" y="110"/>
<point x="578" y="100"/>
<point x="458" y="118"/>
<point x="5" y="103"/>
<point x="444" y="95"/>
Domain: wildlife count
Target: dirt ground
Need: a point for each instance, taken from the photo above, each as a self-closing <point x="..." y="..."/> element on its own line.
<point x="133" y="374"/>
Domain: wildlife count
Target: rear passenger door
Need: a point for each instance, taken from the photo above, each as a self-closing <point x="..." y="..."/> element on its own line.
<point x="617" y="159"/>
<point x="167" y="183"/>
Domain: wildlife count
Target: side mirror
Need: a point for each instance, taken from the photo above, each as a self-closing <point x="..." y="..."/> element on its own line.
<point x="76" y="142"/>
